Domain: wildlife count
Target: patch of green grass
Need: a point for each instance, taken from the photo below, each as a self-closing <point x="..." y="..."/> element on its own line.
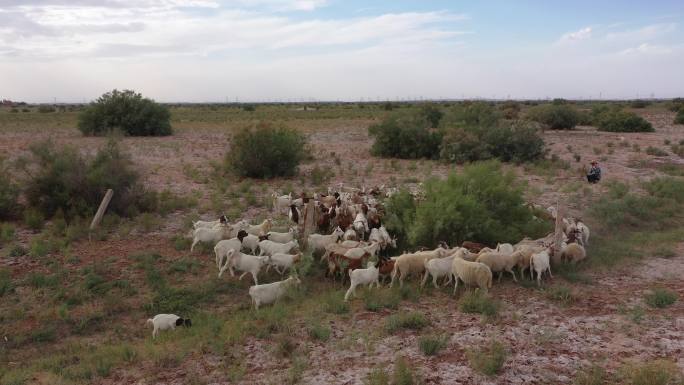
<point x="403" y="373"/>
<point x="185" y="265"/>
<point x="572" y="273"/>
<point x="44" y="334"/>
<point x="479" y="303"/>
<point x="334" y="303"/>
<point x="377" y="376"/>
<point x="34" y="219"/>
<point x="656" y="372"/>
<point x="6" y="284"/>
<point x="381" y="299"/>
<point x="17" y="251"/>
<point x="561" y="294"/>
<point x="39" y="280"/>
<point x="6" y="233"/>
<point x="592" y="375"/>
<point x="405" y="320"/>
<point x="432" y="344"/>
<point x="319" y="332"/>
<point x="295" y="372"/>
<point x="181" y="243"/>
<point x="661" y="298"/>
<point x="38" y="248"/>
<point x="488" y="359"/>
<point x="285" y="346"/>
<point x="664" y="252"/>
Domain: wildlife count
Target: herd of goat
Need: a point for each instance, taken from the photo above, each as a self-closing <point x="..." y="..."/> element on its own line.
<point x="350" y="232"/>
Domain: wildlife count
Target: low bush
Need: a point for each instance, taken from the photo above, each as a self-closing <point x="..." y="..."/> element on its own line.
<point x="555" y="116"/>
<point x="64" y="180"/>
<point x="6" y="285"/>
<point x="482" y="204"/>
<point x="9" y="192"/>
<point x="45" y="109"/>
<point x="266" y="151"/>
<point x="403" y="373"/>
<point x="639" y="103"/>
<point x="661" y="298"/>
<point x="592" y="375"/>
<point x="616" y="120"/>
<point x="406" y="138"/>
<point x="488" y="359"/>
<point x="319" y="332"/>
<point x="432" y="114"/>
<point x="679" y="118"/>
<point x="127" y="111"/>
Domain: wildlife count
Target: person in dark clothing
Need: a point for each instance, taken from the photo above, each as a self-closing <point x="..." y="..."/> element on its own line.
<point x="594" y="174"/>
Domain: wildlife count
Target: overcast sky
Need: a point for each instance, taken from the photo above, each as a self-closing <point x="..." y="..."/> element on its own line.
<point x="265" y="50"/>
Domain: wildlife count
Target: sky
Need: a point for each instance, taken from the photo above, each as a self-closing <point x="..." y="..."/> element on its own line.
<point x="313" y="50"/>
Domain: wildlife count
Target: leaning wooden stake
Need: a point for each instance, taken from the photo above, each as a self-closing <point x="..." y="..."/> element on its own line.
<point x="101" y="210"/>
<point x="558" y="234"/>
<point x="309" y="221"/>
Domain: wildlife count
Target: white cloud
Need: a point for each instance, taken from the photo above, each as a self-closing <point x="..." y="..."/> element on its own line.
<point x="582" y="34"/>
<point x="648" y="49"/>
<point x="646" y="33"/>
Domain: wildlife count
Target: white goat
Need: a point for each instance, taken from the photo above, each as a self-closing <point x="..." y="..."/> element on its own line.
<point x="222" y="247"/>
<point x="210" y="235"/>
<point x="243" y="262"/>
<point x="361" y="225"/>
<point x="318" y="242"/>
<point x="282" y="202"/>
<point x="350" y="235"/>
<point x="282" y="260"/>
<point x="370" y="275"/>
<point x="364" y="251"/>
<point x="267" y="247"/>
<point x="505" y="248"/>
<point x="437" y="268"/>
<point x="540" y="262"/>
<point x="166" y="322"/>
<point x="261" y="229"/>
<point x="283" y="237"/>
<point x="271" y="292"/>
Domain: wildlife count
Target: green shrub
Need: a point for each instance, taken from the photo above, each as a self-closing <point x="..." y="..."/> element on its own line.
<point x="488" y="359"/>
<point x="616" y="120"/>
<point x="432" y="114"/>
<point x="639" y="103"/>
<point x="476" y="132"/>
<point x="266" y="152"/>
<point x="507" y="141"/>
<point x="45" y="109"/>
<point x="63" y="179"/>
<point x="481" y="204"/>
<point x="679" y="119"/>
<point x="661" y="298"/>
<point x="666" y="188"/>
<point x="406" y="138"/>
<point x="335" y="304"/>
<point x="555" y="116"/>
<point x="377" y="376"/>
<point x="403" y="320"/>
<point x="126" y="111"/>
<point x="431" y="345"/>
<point x="9" y="192"/>
<point x="561" y="294"/>
<point x="479" y="303"/>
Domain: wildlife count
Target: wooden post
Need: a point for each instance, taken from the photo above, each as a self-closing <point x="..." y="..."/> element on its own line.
<point x="309" y="221"/>
<point x="101" y="210"/>
<point x="558" y="234"/>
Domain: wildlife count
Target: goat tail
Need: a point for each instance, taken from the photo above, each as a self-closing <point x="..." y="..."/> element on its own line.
<point x="149" y="321"/>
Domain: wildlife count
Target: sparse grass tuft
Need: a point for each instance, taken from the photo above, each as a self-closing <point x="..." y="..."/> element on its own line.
<point x="377" y="376"/>
<point x="431" y="345"/>
<point x="561" y="294"/>
<point x="403" y="373"/>
<point x="661" y="298"/>
<point x="319" y="332"/>
<point x="657" y="372"/>
<point x="477" y="302"/>
<point x="655" y="151"/>
<point x="488" y="359"/>
<point x="334" y="303"/>
<point x="592" y="375"/>
<point x="404" y="320"/>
